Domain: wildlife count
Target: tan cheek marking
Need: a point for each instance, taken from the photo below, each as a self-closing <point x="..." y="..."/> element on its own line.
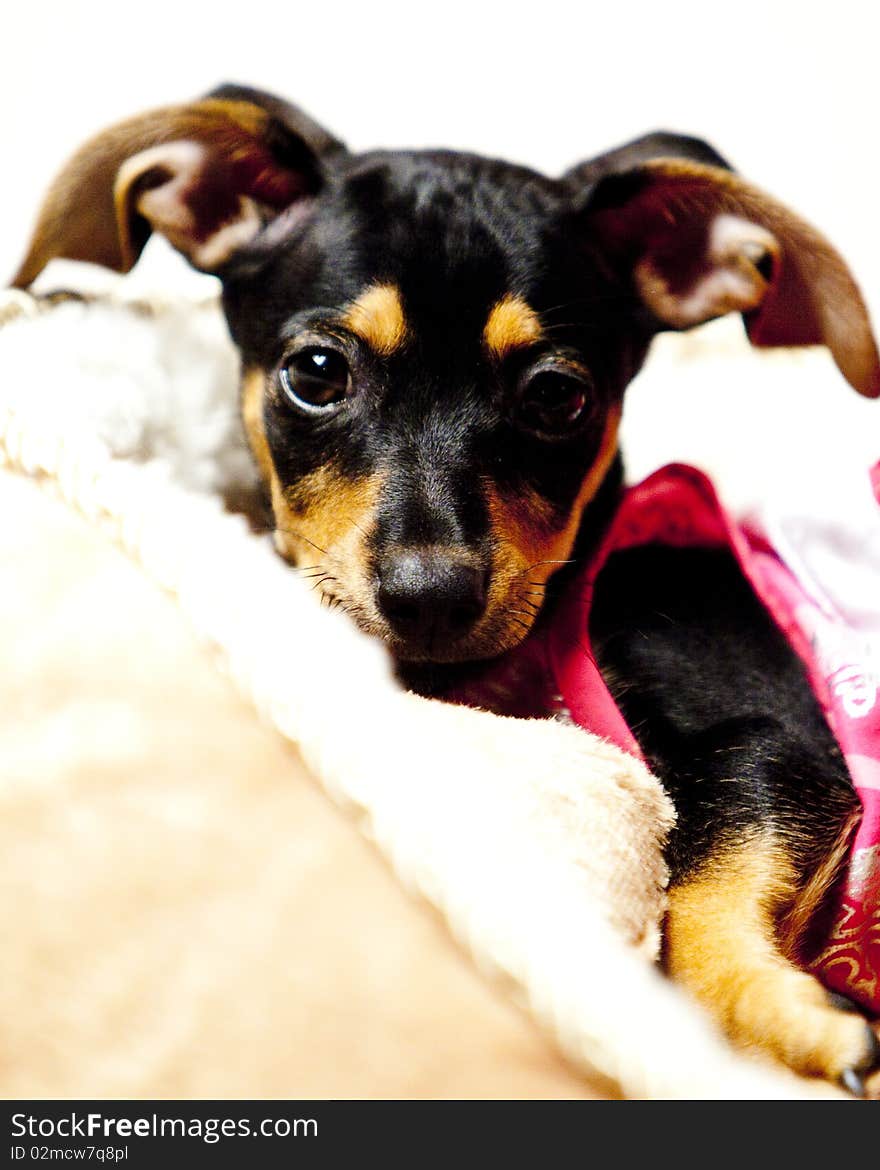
<point x="326" y="506"/>
<point x="252" y="394"/>
<point x="524" y="530"/>
<point x="595" y="476"/>
<point x="324" y="520"/>
<point x="521" y="526"/>
<point x="721" y="944"/>
<point x="252" y="400"/>
<point x="377" y="318"/>
<point x="512" y="324"/>
<point x="321" y="520"/>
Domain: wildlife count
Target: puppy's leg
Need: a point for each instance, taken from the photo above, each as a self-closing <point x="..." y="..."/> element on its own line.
<point x="724" y="714"/>
<point x="723" y="943"/>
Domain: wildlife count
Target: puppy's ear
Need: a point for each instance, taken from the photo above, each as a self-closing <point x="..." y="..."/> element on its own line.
<point x="657" y="144"/>
<point x="697" y="242"/>
<point x="209" y="175"/>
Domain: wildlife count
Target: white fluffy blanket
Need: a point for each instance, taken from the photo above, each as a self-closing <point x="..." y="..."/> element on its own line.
<point x="539" y="845"/>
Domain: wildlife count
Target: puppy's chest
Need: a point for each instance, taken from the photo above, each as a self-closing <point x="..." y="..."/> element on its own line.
<point x="520" y="684"/>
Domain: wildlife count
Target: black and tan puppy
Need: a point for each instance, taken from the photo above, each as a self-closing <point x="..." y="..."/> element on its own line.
<point x="435" y="349"/>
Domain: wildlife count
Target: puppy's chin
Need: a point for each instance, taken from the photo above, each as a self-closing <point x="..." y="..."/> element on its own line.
<point x="483" y="644"/>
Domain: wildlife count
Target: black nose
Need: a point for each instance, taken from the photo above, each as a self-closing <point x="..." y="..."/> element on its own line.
<point x="429" y="598"/>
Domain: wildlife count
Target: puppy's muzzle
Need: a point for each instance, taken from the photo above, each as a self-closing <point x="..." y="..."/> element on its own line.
<point x="430" y="599"/>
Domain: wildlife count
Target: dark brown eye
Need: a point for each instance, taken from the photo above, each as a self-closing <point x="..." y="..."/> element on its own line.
<point x="315" y="379"/>
<point x="552" y="402"/>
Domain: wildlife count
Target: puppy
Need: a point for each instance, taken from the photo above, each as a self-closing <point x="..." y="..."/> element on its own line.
<point x="435" y="349"/>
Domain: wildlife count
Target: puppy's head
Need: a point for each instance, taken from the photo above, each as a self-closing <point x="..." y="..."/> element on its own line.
<point x="434" y="345"/>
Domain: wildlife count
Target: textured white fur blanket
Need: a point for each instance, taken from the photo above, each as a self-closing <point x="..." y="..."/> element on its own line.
<point x="539" y="844"/>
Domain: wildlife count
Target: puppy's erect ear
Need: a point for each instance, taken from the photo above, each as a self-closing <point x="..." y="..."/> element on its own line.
<point x="209" y="175"/>
<point x="697" y="241"/>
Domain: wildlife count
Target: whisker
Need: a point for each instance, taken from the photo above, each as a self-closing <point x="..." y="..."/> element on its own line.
<point x="567" y="561"/>
<point x="519" y="622"/>
<point x="522" y="598"/>
<point x="585" y="326"/>
<point x="592" y="299"/>
<point x="302" y="536"/>
<point x="532" y="607"/>
<point x="321" y="581"/>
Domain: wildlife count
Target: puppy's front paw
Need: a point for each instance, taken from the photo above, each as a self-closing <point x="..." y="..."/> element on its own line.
<point x="721" y="945"/>
<point x="862" y="1078"/>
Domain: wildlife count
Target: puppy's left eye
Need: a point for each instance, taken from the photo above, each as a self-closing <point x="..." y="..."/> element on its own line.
<point x="315" y="379"/>
<point x="552" y="402"/>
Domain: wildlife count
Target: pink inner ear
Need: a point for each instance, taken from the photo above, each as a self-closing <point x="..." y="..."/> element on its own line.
<point x="203" y="201"/>
<point x="156" y="183"/>
<point x="696" y="238"/>
<point x="208" y="174"/>
<point x="695" y="274"/>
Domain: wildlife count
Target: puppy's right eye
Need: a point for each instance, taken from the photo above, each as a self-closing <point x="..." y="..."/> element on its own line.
<point x="315" y="379"/>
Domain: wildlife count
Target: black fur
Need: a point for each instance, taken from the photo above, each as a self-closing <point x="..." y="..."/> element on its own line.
<point x="720" y="704"/>
<point x="454" y="233"/>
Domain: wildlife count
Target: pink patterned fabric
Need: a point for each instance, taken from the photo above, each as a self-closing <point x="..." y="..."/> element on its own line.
<point x="678" y="506"/>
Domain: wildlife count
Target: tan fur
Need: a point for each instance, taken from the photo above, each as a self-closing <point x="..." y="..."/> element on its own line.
<point x="794" y="925"/>
<point x="377" y="318"/>
<point x="325" y="506"/>
<point x="323" y="521"/>
<point x="512" y="324"/>
<point x="252" y="390"/>
<point x="529" y="547"/>
<point x="721" y="945"/>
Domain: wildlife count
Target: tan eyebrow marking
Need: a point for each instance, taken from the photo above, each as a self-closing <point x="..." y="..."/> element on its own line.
<point x="512" y="324"/>
<point x="376" y="316"/>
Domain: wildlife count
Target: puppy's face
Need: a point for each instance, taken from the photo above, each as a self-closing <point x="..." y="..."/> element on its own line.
<point x="432" y="383"/>
<point x="435" y="346"/>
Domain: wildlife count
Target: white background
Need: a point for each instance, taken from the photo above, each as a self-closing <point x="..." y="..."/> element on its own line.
<point x="788" y="91"/>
